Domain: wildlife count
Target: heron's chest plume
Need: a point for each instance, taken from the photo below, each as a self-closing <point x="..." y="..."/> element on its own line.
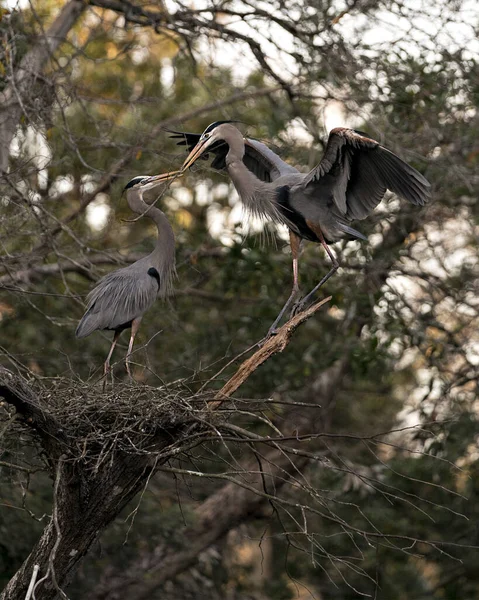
<point x="257" y="196"/>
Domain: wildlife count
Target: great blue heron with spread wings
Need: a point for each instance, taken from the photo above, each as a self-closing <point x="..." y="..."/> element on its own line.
<point x="120" y="299"/>
<point x="348" y="184"/>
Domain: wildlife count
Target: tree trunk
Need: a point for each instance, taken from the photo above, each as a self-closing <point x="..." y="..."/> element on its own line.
<point x="81" y="511"/>
<point x="28" y="72"/>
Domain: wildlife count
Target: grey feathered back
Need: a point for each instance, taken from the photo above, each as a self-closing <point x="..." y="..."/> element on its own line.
<point x="118" y="298"/>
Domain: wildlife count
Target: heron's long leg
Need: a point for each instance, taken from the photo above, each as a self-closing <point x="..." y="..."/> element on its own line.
<point x="135" y="325"/>
<point x="335" y="267"/>
<point x="295" y="243"/>
<point x="106" y="366"/>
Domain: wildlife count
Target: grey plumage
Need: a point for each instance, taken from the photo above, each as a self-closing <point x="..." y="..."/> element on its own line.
<point x="120" y="298"/>
<point x="348" y="184"/>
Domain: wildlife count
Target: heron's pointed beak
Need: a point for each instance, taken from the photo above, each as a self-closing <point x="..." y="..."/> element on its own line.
<point x="155" y="179"/>
<point x="197" y="151"/>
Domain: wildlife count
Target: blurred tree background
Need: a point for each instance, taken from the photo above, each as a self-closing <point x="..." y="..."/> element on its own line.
<point x="388" y="373"/>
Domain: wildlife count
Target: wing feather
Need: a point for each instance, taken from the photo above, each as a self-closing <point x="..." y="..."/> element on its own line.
<point x="117" y="299"/>
<point x="359" y="171"/>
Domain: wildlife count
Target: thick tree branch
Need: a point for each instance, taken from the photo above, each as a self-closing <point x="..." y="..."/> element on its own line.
<point x="275" y="344"/>
<point x="16" y="391"/>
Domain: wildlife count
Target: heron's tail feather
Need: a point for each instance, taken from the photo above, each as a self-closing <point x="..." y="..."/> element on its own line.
<point x="88" y="324"/>
<point x="349" y="230"/>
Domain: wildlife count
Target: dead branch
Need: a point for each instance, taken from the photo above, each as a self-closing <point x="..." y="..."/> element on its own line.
<point x="17" y="392"/>
<point x="275" y="344"/>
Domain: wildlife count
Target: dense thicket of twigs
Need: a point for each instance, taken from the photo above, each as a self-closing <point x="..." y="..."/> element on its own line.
<point x="345" y="465"/>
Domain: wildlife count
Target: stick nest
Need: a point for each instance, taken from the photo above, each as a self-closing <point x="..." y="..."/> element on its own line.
<point x="129" y="417"/>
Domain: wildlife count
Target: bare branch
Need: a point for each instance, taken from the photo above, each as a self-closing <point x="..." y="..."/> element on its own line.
<point x="109" y="177"/>
<point x="29" y="71"/>
<point x="276" y="343"/>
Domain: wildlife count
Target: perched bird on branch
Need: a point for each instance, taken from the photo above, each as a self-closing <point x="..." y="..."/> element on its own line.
<point x="121" y="298"/>
<point x="348" y="184"/>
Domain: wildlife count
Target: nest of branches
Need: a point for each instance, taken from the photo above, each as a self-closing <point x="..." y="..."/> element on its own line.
<point x="82" y="422"/>
<point x="136" y="419"/>
<point x="84" y="409"/>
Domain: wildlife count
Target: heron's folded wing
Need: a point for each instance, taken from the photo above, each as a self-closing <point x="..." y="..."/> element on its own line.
<point x="117" y="299"/>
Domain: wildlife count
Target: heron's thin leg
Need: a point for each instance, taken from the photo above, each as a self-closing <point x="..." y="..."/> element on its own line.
<point x="295" y="242"/>
<point x="308" y="297"/>
<point x="135" y="325"/>
<point x="106" y="366"/>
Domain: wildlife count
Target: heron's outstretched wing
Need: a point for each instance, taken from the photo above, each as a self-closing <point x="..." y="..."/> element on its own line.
<point x="258" y="158"/>
<point x="358" y="171"/>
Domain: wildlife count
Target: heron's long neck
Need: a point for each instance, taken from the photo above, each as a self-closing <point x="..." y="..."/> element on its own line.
<point x="257" y="196"/>
<point x="163" y="255"/>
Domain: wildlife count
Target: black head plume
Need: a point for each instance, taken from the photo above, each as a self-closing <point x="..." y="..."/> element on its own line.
<point x="214" y="125"/>
<point x="135" y="181"/>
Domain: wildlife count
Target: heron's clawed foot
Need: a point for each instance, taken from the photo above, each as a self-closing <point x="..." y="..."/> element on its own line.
<point x="272" y="331"/>
<point x="298" y="307"/>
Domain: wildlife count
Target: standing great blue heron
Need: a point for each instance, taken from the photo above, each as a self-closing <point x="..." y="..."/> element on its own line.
<point x="348" y="183"/>
<point x="120" y="299"/>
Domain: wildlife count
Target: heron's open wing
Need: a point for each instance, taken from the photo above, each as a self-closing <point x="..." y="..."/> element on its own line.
<point x="258" y="158"/>
<point x="358" y="171"/>
<point x="263" y="162"/>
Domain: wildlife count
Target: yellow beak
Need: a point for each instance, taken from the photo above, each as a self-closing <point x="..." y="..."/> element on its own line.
<point x="191" y="158"/>
<point x="196" y="153"/>
<point x="163" y="177"/>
